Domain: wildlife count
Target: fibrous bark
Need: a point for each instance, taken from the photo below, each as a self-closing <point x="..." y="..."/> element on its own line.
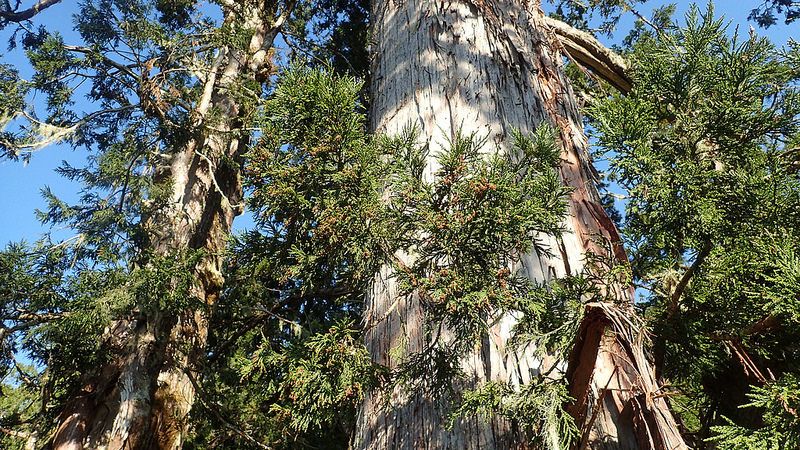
<point x="142" y="398"/>
<point x="588" y="52"/>
<point x="487" y="67"/>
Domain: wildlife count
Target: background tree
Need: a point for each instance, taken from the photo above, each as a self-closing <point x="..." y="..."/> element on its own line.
<point x="123" y="321"/>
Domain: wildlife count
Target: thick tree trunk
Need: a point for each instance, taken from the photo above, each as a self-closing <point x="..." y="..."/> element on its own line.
<point x="490" y="66"/>
<point x="141" y="400"/>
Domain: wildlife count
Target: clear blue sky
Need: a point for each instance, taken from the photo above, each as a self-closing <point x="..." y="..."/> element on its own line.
<point x="20" y="184"/>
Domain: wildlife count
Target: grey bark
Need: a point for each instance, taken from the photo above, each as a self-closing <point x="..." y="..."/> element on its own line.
<point x="490" y="66"/>
<point x="141" y="400"/>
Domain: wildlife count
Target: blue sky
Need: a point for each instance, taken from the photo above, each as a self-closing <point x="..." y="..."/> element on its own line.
<point x="20" y="184"/>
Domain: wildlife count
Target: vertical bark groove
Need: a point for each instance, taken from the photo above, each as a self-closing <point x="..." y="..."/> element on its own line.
<point x="486" y="67"/>
<point x="142" y="398"/>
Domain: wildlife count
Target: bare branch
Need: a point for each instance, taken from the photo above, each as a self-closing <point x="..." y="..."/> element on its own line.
<point x="687" y="276"/>
<point x="27" y="14"/>
<point x="17" y="433"/>
<point x="765" y="324"/>
<point x="88" y="51"/>
<point x="749" y="366"/>
<point x="584" y="49"/>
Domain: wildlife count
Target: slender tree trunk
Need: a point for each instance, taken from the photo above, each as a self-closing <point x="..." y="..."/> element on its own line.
<point x="141" y="400"/>
<point x="490" y="66"/>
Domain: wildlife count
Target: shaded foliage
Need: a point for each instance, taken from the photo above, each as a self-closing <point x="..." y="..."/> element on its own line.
<point x="284" y="347"/>
<point x="770" y="11"/>
<point x="703" y="146"/>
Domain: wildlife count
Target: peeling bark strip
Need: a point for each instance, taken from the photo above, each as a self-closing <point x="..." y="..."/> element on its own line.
<point x="587" y="51"/>
<point x="487" y="66"/>
<point x="617" y="397"/>
<point x="141" y="400"/>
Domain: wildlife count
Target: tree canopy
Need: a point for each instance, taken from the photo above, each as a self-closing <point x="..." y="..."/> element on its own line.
<point x="702" y="146"/>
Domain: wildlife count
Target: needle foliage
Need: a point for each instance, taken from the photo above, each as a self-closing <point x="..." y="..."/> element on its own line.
<point x="704" y="147"/>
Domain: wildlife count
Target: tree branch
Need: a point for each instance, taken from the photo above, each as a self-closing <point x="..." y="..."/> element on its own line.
<point x="27" y="14"/>
<point x="88" y="51"/>
<point x="17" y="433"/>
<point x="48" y="134"/>
<point x="585" y="50"/>
<point x="687" y="276"/>
<point x="765" y="324"/>
<point x="215" y="410"/>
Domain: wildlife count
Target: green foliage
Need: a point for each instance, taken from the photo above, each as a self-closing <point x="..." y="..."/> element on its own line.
<point x="551" y="314"/>
<point x="689" y="141"/>
<point x="18" y="405"/>
<point x="779" y="402"/>
<point x="165" y="284"/>
<point x="316" y="180"/>
<point x="176" y="14"/>
<point x="57" y="312"/>
<point x="317" y="378"/>
<point x="12" y="102"/>
<point x="782" y="290"/>
<point x="341" y="28"/>
<point x="661" y="21"/>
<point x="304" y="390"/>
<point x="465" y="225"/>
<point x="536" y="408"/>
<point x="702" y="146"/>
<point x="768" y="12"/>
<point x="284" y="347"/>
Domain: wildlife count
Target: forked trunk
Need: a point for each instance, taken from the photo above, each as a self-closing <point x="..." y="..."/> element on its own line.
<point x="142" y="398"/>
<point x="490" y="66"/>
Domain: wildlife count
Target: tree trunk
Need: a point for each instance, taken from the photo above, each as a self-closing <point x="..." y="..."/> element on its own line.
<point x="490" y="66"/>
<point x="142" y="398"/>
